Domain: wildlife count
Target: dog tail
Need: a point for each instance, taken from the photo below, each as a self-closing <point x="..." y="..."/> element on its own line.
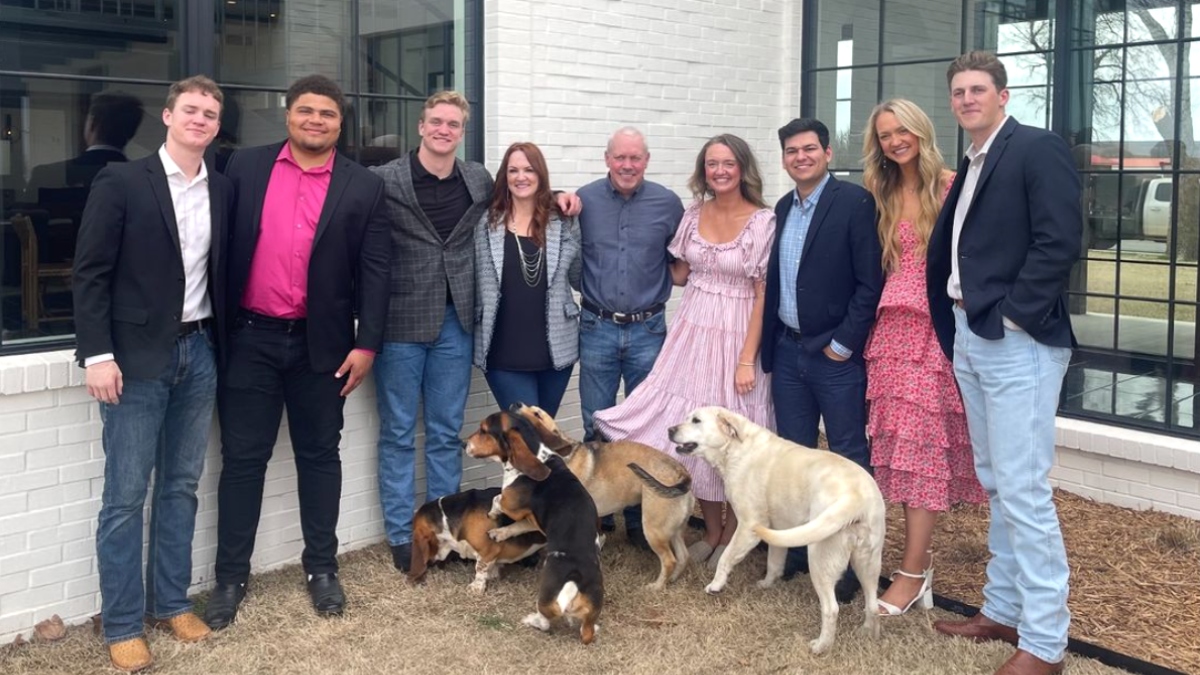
<point x="826" y="524"/>
<point x="677" y="490"/>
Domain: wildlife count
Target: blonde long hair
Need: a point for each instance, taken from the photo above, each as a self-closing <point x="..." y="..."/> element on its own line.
<point x="881" y="177"/>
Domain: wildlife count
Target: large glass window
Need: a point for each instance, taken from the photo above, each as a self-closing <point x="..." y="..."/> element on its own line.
<point x="1116" y="78"/>
<point x="83" y="84"/>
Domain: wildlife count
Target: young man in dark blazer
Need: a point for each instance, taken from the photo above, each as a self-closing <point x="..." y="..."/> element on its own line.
<point x="999" y="259"/>
<point x="308" y="254"/>
<point x="148" y="285"/>
<point x="824" y="280"/>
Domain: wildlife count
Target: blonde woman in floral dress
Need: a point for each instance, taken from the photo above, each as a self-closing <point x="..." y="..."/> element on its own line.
<point x="920" y="449"/>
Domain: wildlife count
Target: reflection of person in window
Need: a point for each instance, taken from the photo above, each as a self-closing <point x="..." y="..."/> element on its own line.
<point x="112" y="120"/>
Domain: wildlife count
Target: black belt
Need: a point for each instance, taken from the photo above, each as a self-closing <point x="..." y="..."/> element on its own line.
<point x="188" y="327"/>
<point x="623" y="317"/>
<point x="256" y="320"/>
<point x="790" y="333"/>
<point x="960" y="303"/>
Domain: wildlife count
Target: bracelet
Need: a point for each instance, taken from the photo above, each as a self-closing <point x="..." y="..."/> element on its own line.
<point x="740" y="363"/>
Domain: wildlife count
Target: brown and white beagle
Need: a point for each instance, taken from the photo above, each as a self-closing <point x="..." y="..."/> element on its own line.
<point x="460" y="523"/>
<point x="546" y="496"/>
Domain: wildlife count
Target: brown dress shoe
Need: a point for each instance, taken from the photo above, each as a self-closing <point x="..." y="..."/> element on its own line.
<point x="186" y="627"/>
<point x="1024" y="663"/>
<point x="130" y="655"/>
<point x="978" y="628"/>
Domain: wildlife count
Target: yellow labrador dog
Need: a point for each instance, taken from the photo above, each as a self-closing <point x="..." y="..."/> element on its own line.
<point x="789" y="495"/>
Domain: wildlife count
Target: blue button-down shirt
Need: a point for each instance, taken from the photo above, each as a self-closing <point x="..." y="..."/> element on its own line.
<point x="625" y="244"/>
<point x="791" y="247"/>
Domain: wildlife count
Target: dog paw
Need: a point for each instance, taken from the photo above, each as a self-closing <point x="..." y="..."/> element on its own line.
<point x="765" y="583"/>
<point x="537" y="621"/>
<point x="499" y="534"/>
<point x="479" y="585"/>
<point x="817" y="647"/>
<point x="714" y="588"/>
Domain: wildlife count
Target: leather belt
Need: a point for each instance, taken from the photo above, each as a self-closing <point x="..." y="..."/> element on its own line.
<point x="790" y="333"/>
<point x="256" y="320"/>
<point x="623" y="318"/>
<point x="188" y="327"/>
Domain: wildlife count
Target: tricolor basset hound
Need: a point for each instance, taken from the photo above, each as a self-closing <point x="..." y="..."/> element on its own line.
<point x="460" y="523"/>
<point x="549" y="498"/>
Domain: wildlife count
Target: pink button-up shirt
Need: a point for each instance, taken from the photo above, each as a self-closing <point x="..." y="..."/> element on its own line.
<point x="278" y="283"/>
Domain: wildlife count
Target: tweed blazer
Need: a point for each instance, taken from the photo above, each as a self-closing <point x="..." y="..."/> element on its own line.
<point x="563" y="270"/>
<point x="422" y="263"/>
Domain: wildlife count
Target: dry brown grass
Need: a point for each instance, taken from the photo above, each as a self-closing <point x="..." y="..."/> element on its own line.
<point x="442" y="627"/>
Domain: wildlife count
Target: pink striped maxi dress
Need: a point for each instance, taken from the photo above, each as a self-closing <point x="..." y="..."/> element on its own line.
<point x="699" y="358"/>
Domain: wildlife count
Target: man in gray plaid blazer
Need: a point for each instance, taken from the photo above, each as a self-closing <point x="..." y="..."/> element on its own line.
<point x="433" y="200"/>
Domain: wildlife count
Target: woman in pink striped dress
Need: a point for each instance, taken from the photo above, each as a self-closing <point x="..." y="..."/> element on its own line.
<point x="710" y="356"/>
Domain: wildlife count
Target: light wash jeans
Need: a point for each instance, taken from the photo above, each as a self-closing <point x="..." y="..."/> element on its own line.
<point x="160" y="424"/>
<point x="608" y="353"/>
<point x="407" y="373"/>
<point x="1010" y="389"/>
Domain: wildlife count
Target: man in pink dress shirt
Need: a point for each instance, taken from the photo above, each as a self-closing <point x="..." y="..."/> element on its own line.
<point x="304" y="212"/>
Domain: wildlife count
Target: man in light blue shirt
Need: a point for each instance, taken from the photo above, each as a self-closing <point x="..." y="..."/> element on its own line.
<point x="626" y="224"/>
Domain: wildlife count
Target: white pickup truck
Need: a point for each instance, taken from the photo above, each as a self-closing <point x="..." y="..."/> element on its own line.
<point x="1144" y="211"/>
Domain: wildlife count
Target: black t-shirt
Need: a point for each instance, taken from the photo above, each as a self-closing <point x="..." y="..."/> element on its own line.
<point x="520" y="340"/>
<point x="444" y="200"/>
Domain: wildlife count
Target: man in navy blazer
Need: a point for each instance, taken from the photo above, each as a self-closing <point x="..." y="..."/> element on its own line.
<point x="999" y="260"/>
<point x="824" y="280"/>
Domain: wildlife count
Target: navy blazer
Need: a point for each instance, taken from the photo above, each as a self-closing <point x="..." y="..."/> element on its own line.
<point x="1021" y="237"/>
<point x="840" y="277"/>
<point x="348" y="270"/>
<point x="128" y="278"/>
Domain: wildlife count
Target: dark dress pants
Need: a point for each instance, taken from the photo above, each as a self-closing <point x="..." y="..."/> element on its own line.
<point x="267" y="370"/>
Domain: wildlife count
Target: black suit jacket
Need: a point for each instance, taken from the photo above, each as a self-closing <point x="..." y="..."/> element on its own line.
<point x="78" y="171"/>
<point x="1020" y="238"/>
<point x="351" y="251"/>
<point x="840" y="277"/>
<point x="128" y="280"/>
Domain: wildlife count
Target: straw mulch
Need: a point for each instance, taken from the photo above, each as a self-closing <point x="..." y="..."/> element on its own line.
<point x="1135" y="575"/>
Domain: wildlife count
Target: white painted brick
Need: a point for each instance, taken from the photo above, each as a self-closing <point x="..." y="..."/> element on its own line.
<point x="1106" y="484"/>
<point x="1134" y="473"/>
<point x="26" y="402"/>
<point x="35" y="377"/>
<point x="61" y="573"/>
<point x="13" y="624"/>
<point x="30" y="561"/>
<point x="85" y="470"/>
<point x="86" y="585"/>
<point x="1074" y="459"/>
<point x="74" y="395"/>
<point x="26" y="481"/>
<point x="58" y="374"/>
<point x="1194" y="514"/>
<point x="13" y="505"/>
<point x="58" y="416"/>
<point x="56" y="455"/>
<point x="1159" y="496"/>
<point x="59" y="494"/>
<point x="1065" y="475"/>
<point x="1172" y="479"/>
<point x="13" y="583"/>
<point x="27" y="441"/>
<point x="11" y="423"/>
<point x="1127" y="501"/>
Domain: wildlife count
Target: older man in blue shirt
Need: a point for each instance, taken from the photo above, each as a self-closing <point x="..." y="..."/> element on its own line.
<point x="626" y="224"/>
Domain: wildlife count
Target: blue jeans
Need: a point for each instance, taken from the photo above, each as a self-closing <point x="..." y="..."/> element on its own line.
<point x="161" y="424"/>
<point x="1010" y="390"/>
<point x="407" y="373"/>
<point x="807" y="387"/>
<point x="608" y="353"/>
<point x="543" y="388"/>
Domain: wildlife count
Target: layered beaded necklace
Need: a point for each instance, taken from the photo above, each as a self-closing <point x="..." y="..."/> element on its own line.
<point x="531" y="264"/>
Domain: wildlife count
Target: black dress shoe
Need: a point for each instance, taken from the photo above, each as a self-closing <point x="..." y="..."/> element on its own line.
<point x="795" y="563"/>
<point x="402" y="557"/>
<point x="223" y="605"/>
<point x="847" y="587"/>
<point x="326" y="593"/>
<point x="636" y="537"/>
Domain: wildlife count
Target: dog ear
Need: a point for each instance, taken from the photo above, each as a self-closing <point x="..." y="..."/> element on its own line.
<point x="522" y="456"/>
<point x="728" y="428"/>
<point x="421" y="554"/>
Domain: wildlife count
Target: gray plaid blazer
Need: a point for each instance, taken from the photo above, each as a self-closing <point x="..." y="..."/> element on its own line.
<point x="422" y="263"/>
<point x="563" y="269"/>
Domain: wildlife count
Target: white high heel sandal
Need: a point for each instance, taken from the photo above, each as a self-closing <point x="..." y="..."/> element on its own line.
<point x="924" y="596"/>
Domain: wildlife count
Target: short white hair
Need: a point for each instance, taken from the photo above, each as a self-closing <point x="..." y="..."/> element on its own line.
<point x="631" y="132"/>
